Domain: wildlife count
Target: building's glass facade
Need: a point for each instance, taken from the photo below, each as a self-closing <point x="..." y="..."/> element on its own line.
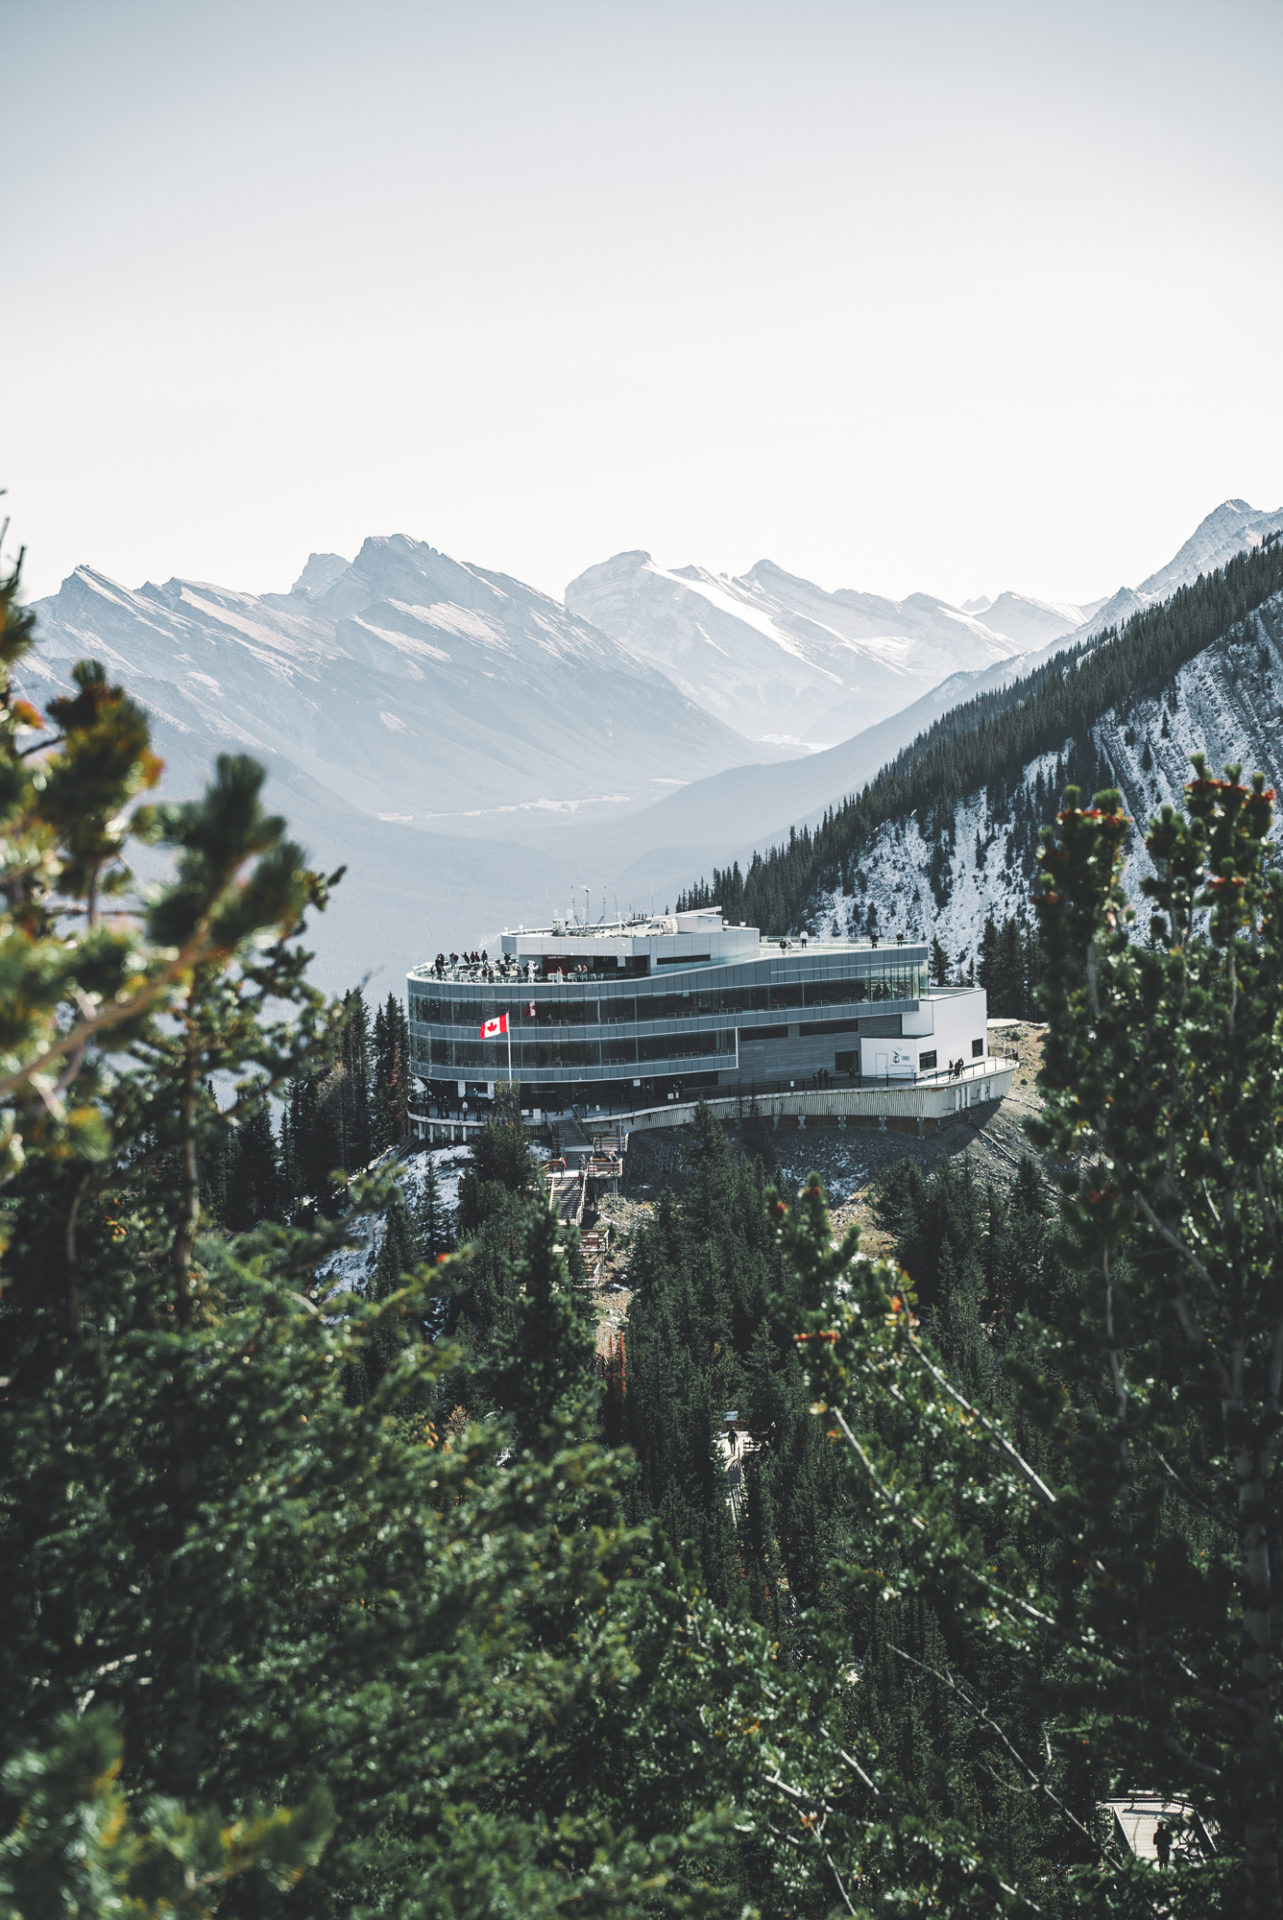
<point x="625" y="1015"/>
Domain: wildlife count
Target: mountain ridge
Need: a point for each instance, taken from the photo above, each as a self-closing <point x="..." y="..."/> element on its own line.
<point x="1226" y="702"/>
<point x="773" y="653"/>
<point x="988" y="738"/>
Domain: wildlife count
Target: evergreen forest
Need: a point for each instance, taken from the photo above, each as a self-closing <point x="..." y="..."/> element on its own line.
<point x="839" y="1584"/>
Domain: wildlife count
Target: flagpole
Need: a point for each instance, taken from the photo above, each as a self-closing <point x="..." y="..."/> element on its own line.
<point x="509" y="1033"/>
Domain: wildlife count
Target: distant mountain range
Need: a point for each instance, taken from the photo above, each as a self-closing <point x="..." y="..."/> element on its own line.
<point x="397" y="700"/>
<point x="474" y="750"/>
<point x="779" y="658"/>
<point x="409" y="686"/>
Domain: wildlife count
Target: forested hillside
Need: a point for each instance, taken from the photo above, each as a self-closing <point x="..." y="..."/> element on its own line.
<point x="1005" y="755"/>
<point x="836" y="1585"/>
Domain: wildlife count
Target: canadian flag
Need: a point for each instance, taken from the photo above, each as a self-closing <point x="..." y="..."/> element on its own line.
<point x="491" y="1029"/>
<point x="530" y="1009"/>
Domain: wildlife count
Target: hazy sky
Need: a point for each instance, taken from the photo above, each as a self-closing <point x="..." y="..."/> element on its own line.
<point x="941" y="296"/>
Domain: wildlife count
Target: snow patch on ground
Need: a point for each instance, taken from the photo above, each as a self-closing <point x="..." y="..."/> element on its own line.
<point x="349" y="1270"/>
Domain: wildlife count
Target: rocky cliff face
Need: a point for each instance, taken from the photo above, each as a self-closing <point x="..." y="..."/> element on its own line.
<point x="1230" y="528"/>
<point x="1227" y="702"/>
<point x="729" y="815"/>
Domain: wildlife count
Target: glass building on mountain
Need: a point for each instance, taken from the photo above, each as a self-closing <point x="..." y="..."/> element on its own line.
<point x="632" y="1013"/>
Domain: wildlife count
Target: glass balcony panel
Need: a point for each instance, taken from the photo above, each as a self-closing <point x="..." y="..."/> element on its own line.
<point x="684" y="1046"/>
<point x="836" y="993"/>
<point x="785" y="994"/>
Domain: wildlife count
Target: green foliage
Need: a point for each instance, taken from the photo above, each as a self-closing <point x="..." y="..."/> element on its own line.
<point x="253" y="1182"/>
<point x="432" y="1218"/>
<point x="1009" y="967"/>
<point x="1091" y="1525"/>
<point x="1163" y="1071"/>
<point x="541" y="1361"/>
<point x="76" y="1847"/>
<point x="339" y="1605"/>
<point x="390" y="1117"/>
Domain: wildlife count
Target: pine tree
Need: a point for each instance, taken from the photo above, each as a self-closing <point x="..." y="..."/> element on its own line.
<point x="1162" y="1071"/>
<point x="215" y="1159"/>
<point x="254" y="1181"/>
<point x="358" y="1100"/>
<point x="987" y="959"/>
<point x="1093" y="1530"/>
<point x="501" y="1157"/>
<point x="398" y="1254"/>
<point x="540" y="1370"/>
<point x="1010" y="989"/>
<point x="391" y="1100"/>
<point x="431" y="1215"/>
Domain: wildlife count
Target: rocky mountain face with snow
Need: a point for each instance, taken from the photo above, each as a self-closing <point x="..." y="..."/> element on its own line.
<point x="400" y="701"/>
<point x="777" y="657"/>
<point x="730" y="814"/>
<point x="1231" y="528"/>
<point x="1227" y="702"/>
<point x="409" y="686"/>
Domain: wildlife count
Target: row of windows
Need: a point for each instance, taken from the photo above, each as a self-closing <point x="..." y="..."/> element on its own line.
<point x="529" y="1054"/>
<point x="891" y="983"/>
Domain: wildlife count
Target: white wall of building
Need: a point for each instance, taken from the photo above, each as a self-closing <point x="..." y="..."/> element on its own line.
<point x="899" y="1058"/>
<point x="946" y="1024"/>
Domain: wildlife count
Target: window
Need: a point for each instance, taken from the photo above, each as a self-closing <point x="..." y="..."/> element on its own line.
<point x="845" y="1062"/>
<point x="749" y="1034"/>
<point x="926" y="1061"/>
<point x="977" y="1049"/>
<point x="836" y="992"/>
<point x="567" y="1013"/>
<point x="682" y="1046"/>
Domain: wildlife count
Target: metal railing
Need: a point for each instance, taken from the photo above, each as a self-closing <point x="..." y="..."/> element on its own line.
<point x="971" y="1069"/>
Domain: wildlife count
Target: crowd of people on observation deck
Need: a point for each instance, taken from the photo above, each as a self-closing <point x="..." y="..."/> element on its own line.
<point x="480" y="966"/>
<point x="475" y="966"/>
